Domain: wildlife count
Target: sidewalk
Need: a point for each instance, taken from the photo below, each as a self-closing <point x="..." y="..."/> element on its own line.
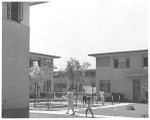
<point x="107" y="111"/>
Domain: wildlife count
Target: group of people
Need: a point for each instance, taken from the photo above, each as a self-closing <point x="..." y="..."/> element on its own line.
<point x="85" y="99"/>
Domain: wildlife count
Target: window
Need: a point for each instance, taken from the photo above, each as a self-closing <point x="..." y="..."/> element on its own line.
<point x="145" y="61"/>
<point x="48" y="85"/>
<point x="105" y="85"/>
<point x="64" y="85"/>
<point x="127" y="63"/>
<point x="47" y="62"/>
<point x="15" y="11"/>
<point x="121" y="62"/>
<point x="44" y="86"/>
<point x="56" y="86"/>
<point x="116" y="63"/>
<point x="35" y="62"/>
<point x="90" y="73"/>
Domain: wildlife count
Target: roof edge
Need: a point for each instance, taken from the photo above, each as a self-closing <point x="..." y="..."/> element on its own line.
<point x="36" y="3"/>
<point x="117" y="52"/>
<point x="41" y="54"/>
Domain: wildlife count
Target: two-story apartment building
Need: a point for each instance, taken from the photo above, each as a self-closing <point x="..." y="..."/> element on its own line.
<point x="61" y="83"/>
<point x="123" y="72"/>
<point x="15" y="58"/>
<point x="45" y="83"/>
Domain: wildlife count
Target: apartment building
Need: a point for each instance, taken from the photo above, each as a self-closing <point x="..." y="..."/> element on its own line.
<point x="15" y="58"/>
<point x="123" y="72"/>
<point x="44" y="82"/>
<point x="61" y="83"/>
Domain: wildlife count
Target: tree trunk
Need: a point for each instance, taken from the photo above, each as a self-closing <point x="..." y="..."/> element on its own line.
<point x="76" y="93"/>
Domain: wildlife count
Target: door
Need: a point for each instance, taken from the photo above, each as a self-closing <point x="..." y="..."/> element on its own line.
<point x="136" y="90"/>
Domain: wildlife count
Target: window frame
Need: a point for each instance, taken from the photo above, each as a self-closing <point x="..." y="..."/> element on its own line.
<point x="119" y="61"/>
<point x="19" y="9"/>
<point x="105" y="83"/>
<point x="145" y="63"/>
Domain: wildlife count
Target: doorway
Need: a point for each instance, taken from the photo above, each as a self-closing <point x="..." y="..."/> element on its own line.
<point x="136" y="90"/>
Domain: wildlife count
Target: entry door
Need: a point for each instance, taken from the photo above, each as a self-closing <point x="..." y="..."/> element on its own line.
<point x="136" y="90"/>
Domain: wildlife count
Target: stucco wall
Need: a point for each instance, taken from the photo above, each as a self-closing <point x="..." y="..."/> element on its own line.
<point x="119" y="81"/>
<point x="15" y="64"/>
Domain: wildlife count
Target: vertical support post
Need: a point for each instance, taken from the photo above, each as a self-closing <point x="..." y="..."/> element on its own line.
<point x="92" y="88"/>
<point x="112" y="99"/>
<point x="35" y="94"/>
<point x="50" y="92"/>
<point x="61" y="92"/>
<point x="76" y="93"/>
<point x="119" y="99"/>
<point x="47" y="96"/>
<point x="115" y="110"/>
<point x="92" y="75"/>
<point x="37" y="91"/>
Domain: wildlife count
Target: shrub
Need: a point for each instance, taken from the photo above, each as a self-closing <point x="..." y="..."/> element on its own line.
<point x="145" y="116"/>
<point x="43" y="95"/>
<point x="108" y="99"/>
<point x="144" y="100"/>
<point x="32" y="95"/>
<point x="123" y="98"/>
<point x="130" y="107"/>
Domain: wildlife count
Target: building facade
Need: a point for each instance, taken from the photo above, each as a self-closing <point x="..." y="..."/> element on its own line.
<point x="61" y="83"/>
<point x="43" y="82"/>
<point x="123" y="72"/>
<point x="15" y="58"/>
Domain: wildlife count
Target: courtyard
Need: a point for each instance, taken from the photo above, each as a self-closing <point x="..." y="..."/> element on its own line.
<point x="106" y="111"/>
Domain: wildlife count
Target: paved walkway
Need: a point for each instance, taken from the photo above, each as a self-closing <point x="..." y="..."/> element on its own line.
<point x="61" y="113"/>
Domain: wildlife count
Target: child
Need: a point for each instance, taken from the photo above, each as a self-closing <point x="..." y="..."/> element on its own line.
<point x="89" y="106"/>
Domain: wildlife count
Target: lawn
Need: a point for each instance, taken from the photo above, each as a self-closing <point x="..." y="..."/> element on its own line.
<point x="141" y="110"/>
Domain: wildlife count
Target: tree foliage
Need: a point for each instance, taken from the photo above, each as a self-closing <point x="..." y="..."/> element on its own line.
<point x="75" y="71"/>
<point x="41" y="73"/>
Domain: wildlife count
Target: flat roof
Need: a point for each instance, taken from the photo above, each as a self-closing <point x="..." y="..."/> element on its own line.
<point x="40" y="54"/>
<point x="37" y="2"/>
<point x="118" y="52"/>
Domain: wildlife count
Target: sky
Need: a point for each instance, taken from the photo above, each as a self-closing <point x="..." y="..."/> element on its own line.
<point x="76" y="28"/>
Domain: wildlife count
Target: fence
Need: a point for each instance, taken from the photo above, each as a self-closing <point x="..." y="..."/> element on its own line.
<point x="55" y="98"/>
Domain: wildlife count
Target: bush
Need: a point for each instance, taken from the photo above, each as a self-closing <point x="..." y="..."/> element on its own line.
<point x="130" y="107"/>
<point x="32" y="95"/>
<point x="123" y="98"/>
<point x="108" y="99"/>
<point x="145" y="116"/>
<point x="144" y="101"/>
<point x="43" y="95"/>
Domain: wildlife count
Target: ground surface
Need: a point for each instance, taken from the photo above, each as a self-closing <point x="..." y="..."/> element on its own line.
<point x="107" y="111"/>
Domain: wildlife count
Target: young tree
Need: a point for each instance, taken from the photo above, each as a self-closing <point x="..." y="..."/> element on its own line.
<point x="75" y="72"/>
<point x="39" y="74"/>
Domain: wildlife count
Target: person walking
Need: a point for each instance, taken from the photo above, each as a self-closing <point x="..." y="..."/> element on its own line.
<point x="102" y="96"/>
<point x="70" y="97"/>
<point x="89" y="107"/>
